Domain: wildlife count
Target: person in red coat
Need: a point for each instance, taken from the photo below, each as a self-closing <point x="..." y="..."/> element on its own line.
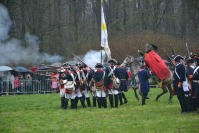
<point x="158" y="67"/>
<point x="17" y="83"/>
<point x="153" y="60"/>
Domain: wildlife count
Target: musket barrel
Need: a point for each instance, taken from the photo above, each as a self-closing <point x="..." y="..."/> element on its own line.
<point x="173" y="52"/>
<point x="188" y="50"/>
<point x="81" y="61"/>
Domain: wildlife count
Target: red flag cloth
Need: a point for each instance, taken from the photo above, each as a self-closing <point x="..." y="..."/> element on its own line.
<point x="157" y="65"/>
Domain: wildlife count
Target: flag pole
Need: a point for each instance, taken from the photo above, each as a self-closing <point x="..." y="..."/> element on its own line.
<point x="104" y="34"/>
<point x="101" y="53"/>
<point x="101" y="24"/>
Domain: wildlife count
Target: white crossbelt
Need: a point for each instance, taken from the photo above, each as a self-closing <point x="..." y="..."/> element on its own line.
<point x="196" y="81"/>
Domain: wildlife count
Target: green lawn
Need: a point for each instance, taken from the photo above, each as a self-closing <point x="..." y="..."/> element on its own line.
<point x="41" y="113"/>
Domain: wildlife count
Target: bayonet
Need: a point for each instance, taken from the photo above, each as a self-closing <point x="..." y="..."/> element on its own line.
<point x="168" y="57"/>
<point x="173" y="52"/>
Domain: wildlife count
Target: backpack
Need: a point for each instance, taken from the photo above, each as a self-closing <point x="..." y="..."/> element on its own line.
<point x="100" y="84"/>
<point x="116" y="81"/>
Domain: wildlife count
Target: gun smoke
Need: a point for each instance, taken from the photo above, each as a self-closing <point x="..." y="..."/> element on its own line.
<point x="92" y="57"/>
<point x="11" y="50"/>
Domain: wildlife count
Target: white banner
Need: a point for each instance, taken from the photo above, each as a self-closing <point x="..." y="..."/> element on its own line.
<point x="104" y="34"/>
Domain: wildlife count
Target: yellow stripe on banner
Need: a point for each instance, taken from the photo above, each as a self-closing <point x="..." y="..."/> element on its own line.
<point x="103" y="26"/>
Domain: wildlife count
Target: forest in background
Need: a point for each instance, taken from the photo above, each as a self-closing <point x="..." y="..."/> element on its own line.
<point x="74" y="26"/>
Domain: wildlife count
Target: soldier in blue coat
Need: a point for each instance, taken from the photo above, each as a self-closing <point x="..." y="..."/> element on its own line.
<point x="86" y="77"/>
<point x="78" y="85"/>
<point x="123" y="76"/>
<point x="112" y="72"/>
<point x="179" y="76"/>
<point x="99" y="79"/>
<point x="190" y="69"/>
<point x="196" y="83"/>
<point x="144" y="75"/>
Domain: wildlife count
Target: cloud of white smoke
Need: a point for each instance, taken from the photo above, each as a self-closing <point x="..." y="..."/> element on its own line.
<point x="11" y="50"/>
<point x="92" y="57"/>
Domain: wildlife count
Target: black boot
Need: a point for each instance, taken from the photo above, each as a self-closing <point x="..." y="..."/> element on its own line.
<point x="65" y="103"/>
<point x="111" y="100"/>
<point x="123" y="96"/>
<point x="194" y="104"/>
<point x="144" y="96"/>
<point x="188" y="103"/>
<point x="73" y="104"/>
<point x="120" y="98"/>
<point x="94" y="101"/>
<point x="76" y="99"/>
<point x="99" y="102"/>
<point x="62" y="102"/>
<point x="116" y="100"/>
<point x="143" y="99"/>
<point x="182" y="104"/>
<point x="83" y="97"/>
<point x="82" y="102"/>
<point x="88" y="102"/>
<point x="104" y="102"/>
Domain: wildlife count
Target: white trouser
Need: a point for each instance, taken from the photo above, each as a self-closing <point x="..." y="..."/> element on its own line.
<point x="93" y="91"/>
<point x="86" y="93"/>
<point x="94" y="94"/>
<point x="112" y="92"/>
<point x="100" y="93"/>
<point x="78" y="92"/>
<point x="70" y="96"/>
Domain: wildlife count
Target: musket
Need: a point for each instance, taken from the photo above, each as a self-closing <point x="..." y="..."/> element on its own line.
<point x="188" y="50"/>
<point x="81" y="61"/>
<point x="187" y="63"/>
<point x="168" y="57"/>
<point x="173" y="52"/>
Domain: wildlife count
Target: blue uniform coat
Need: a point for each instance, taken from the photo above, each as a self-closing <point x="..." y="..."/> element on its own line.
<point x="123" y="76"/>
<point x="179" y="75"/>
<point x="144" y="76"/>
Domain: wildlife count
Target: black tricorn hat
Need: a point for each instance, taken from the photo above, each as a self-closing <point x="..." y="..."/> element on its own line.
<point x="194" y="56"/>
<point x="66" y="64"/>
<point x="150" y="46"/>
<point x="99" y="65"/>
<point x="190" y="60"/>
<point x="112" y="61"/>
<point x="197" y="61"/>
<point x="79" y="64"/>
<point x="67" y="67"/>
<point x="177" y="58"/>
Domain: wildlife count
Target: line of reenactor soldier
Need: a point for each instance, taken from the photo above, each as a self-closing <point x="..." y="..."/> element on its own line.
<point x="78" y="82"/>
<point x="186" y="82"/>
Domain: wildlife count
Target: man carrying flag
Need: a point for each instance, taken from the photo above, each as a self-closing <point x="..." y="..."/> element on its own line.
<point x="104" y="34"/>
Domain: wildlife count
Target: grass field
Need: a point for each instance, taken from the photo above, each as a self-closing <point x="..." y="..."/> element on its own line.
<point x="41" y="113"/>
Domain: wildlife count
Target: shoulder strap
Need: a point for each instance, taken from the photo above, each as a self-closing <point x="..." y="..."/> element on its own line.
<point x="78" y="74"/>
<point x="111" y="70"/>
<point x="103" y="76"/>
<point x="73" y="77"/>
<point x="177" y="74"/>
<point x="196" y="70"/>
<point x="84" y="76"/>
